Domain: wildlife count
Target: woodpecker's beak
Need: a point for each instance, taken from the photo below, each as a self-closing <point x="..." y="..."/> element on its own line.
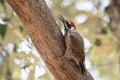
<point x="63" y="21"/>
<point x="61" y="18"/>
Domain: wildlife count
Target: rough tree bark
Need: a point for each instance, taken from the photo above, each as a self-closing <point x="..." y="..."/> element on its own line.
<point x="47" y="38"/>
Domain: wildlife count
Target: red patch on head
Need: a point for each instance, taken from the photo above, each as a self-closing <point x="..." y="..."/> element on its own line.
<point x="73" y="24"/>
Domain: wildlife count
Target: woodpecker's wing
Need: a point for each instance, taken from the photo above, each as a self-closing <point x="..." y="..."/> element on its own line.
<point x="77" y="43"/>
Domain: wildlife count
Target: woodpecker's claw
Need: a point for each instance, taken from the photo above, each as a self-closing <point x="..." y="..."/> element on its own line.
<point x="60" y="58"/>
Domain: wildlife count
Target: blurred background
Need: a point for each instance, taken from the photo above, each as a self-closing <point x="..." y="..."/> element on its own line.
<point x="98" y="21"/>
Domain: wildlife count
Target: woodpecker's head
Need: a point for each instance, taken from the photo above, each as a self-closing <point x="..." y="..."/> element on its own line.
<point x="68" y="24"/>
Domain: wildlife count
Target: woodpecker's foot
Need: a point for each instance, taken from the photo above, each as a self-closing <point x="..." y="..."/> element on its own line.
<point x="60" y="58"/>
<point x="69" y="57"/>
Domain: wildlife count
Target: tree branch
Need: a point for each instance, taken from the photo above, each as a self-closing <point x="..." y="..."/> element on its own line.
<point x="47" y="38"/>
<point x="113" y="10"/>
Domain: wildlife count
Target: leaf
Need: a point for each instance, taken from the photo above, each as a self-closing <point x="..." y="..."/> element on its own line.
<point x="6" y="19"/>
<point x="103" y="30"/>
<point x="2" y="2"/>
<point x="3" y="29"/>
<point x="21" y="28"/>
<point x="97" y="42"/>
<point x="15" y="48"/>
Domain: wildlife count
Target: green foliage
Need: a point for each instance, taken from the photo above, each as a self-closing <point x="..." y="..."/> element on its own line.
<point x="97" y="42"/>
<point x="3" y="29"/>
<point x="2" y="1"/>
<point x="15" y="48"/>
<point x="103" y="30"/>
<point x="21" y="28"/>
<point x="6" y="19"/>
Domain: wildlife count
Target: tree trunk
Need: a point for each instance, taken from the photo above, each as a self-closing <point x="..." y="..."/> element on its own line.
<point x="47" y="38"/>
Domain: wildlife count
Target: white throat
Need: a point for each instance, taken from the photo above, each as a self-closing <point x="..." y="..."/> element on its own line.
<point x="72" y="28"/>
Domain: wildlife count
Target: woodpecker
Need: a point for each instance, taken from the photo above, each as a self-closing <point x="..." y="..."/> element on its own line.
<point x="74" y="44"/>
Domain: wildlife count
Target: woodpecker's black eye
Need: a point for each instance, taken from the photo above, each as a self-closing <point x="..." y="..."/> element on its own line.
<point x="68" y="24"/>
